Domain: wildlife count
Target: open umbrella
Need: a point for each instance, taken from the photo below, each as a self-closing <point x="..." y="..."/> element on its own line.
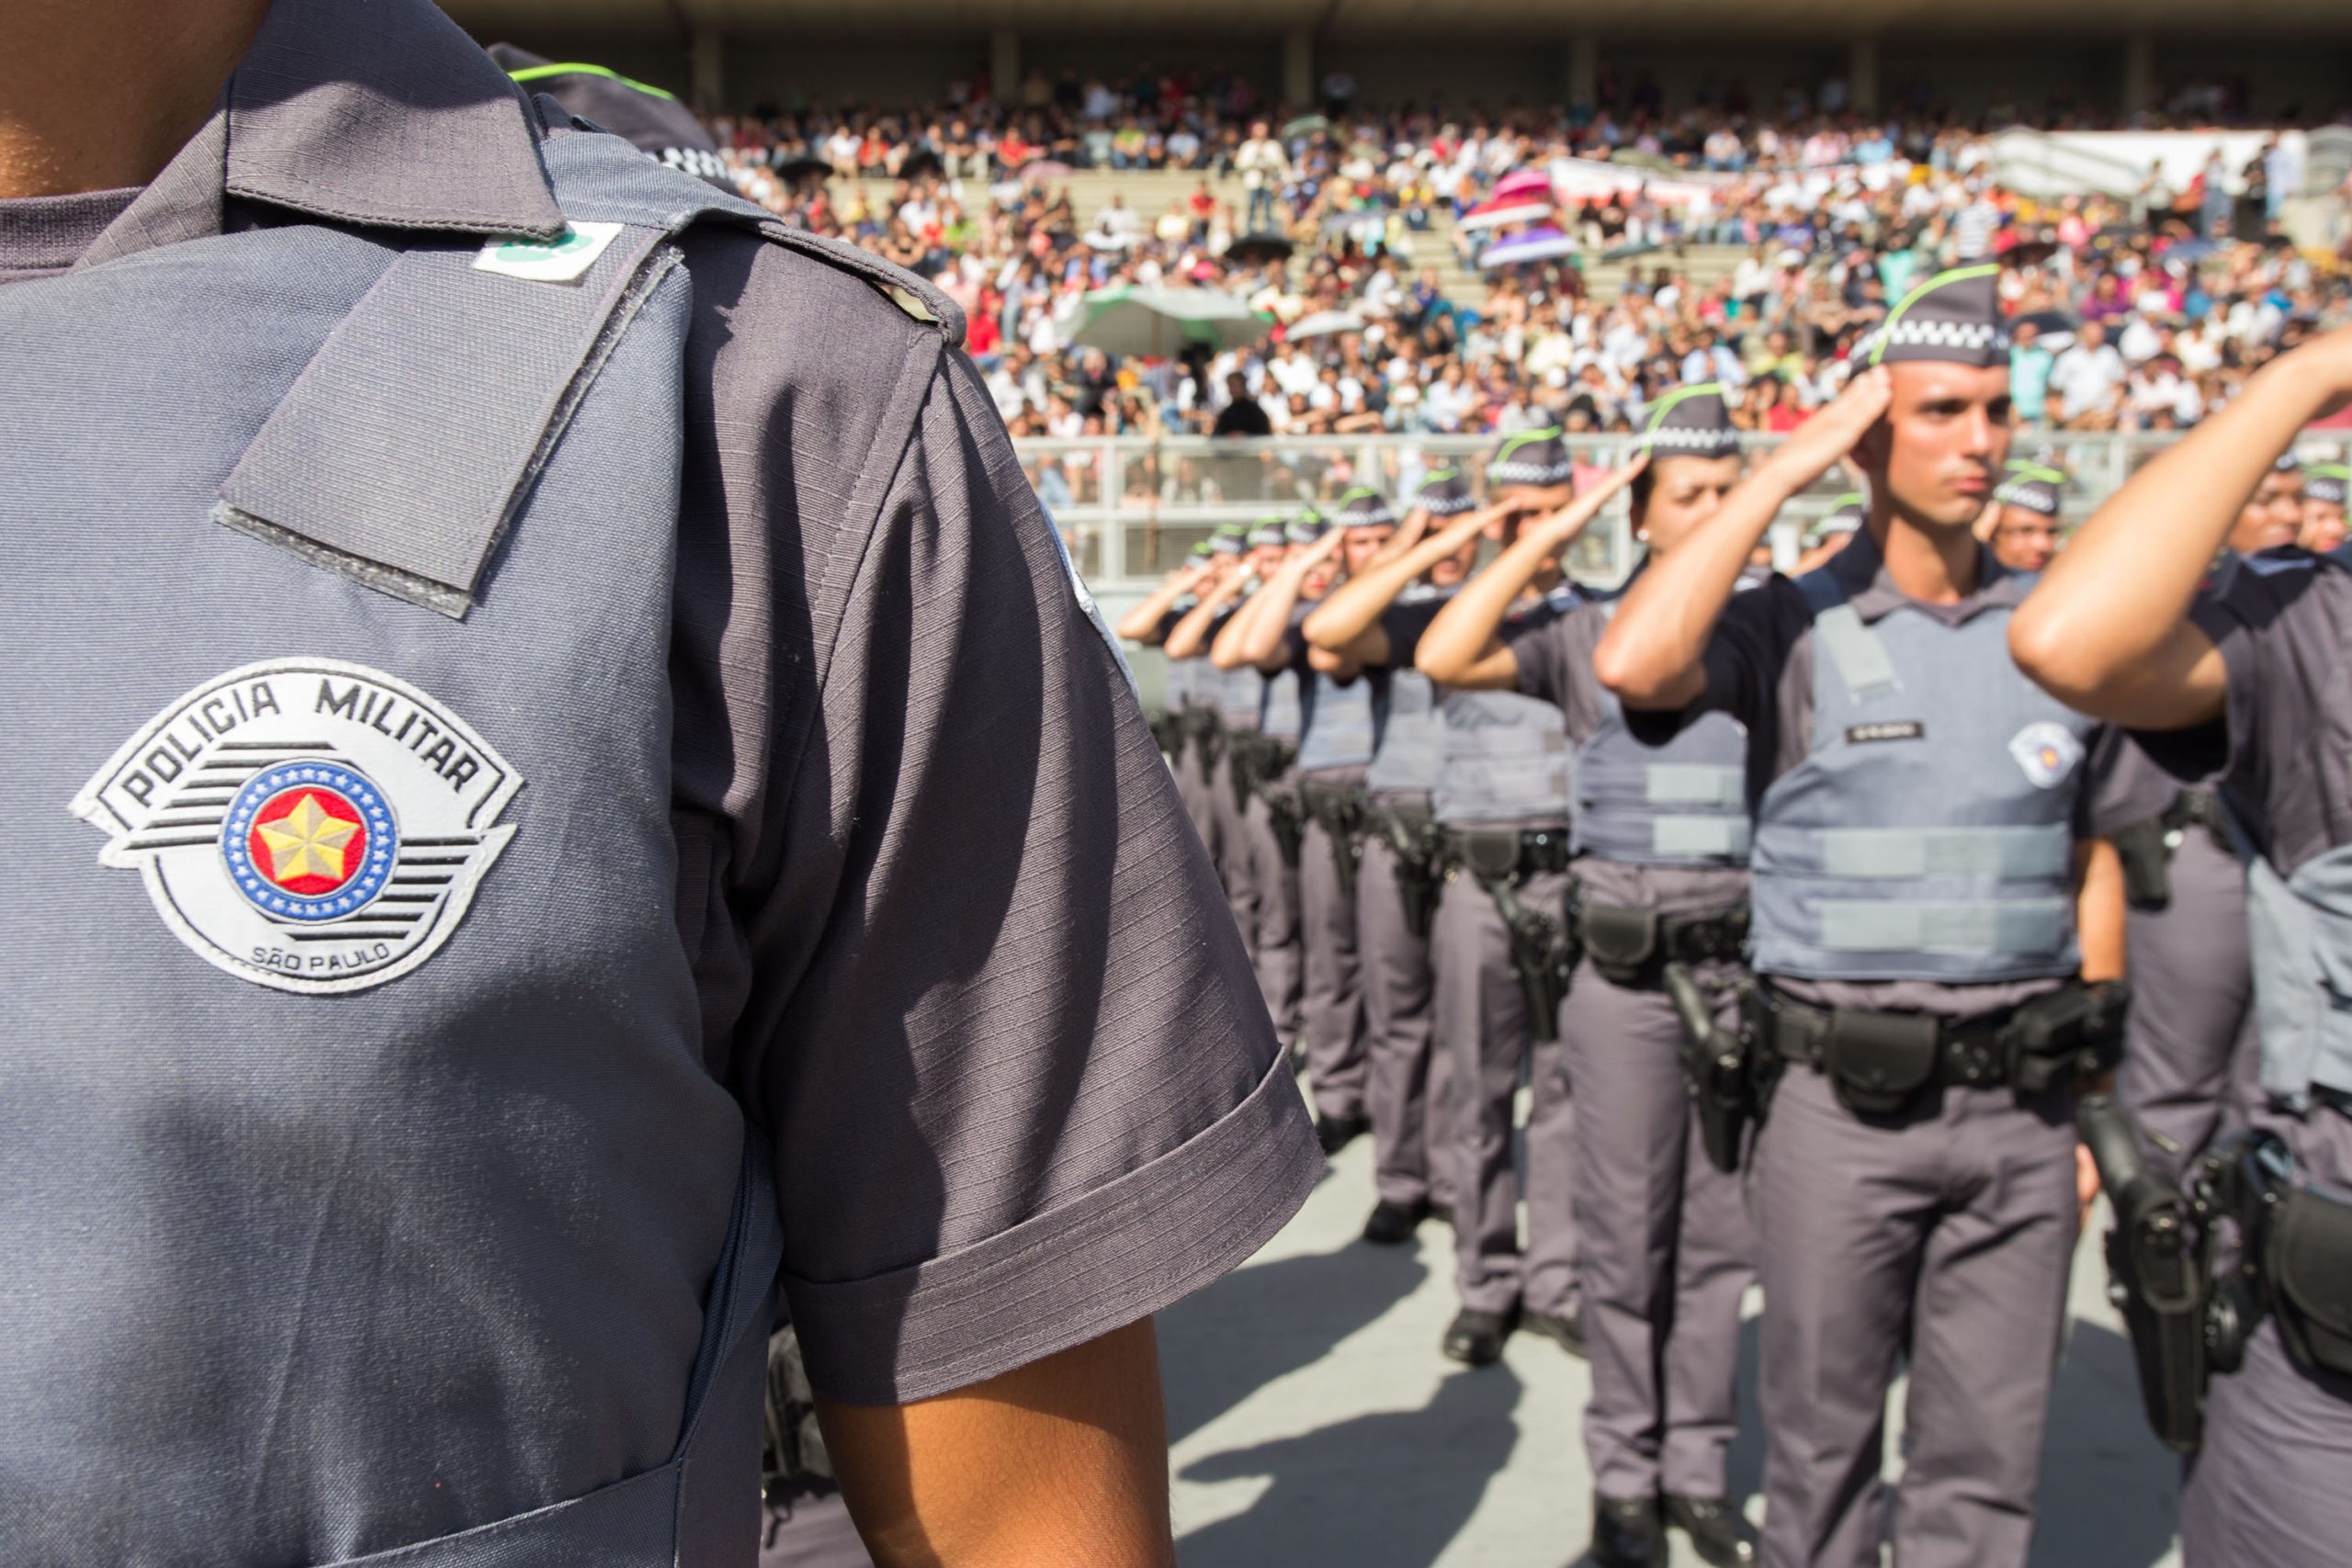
<point x="1043" y="170"/>
<point x="1496" y="211"/>
<point x="801" y="165"/>
<point x="920" y="162"/>
<point x="1323" y="323"/>
<point x="1305" y="125"/>
<point x="1157" y="322"/>
<point x="1259" y="248"/>
<point x="1536" y="244"/>
<point x="1534" y="184"/>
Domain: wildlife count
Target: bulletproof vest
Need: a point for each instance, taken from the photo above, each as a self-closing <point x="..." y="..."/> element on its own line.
<point x="1281" y="713"/>
<point x="1684" y="803"/>
<point x="1411" y="747"/>
<point x="1239" y="694"/>
<point x="2300" y="916"/>
<point x="1183" y="676"/>
<point x="1341" y="723"/>
<point x="1927" y="833"/>
<point x="1506" y="755"/>
<point x="366" y="1197"/>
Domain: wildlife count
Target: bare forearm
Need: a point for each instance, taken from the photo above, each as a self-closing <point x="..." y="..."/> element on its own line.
<point x="1185" y="640"/>
<point x="2100" y="910"/>
<point x="1142" y="623"/>
<point x="1352" y="609"/>
<point x="1225" y="651"/>
<point x="1652" y="654"/>
<point x="1269" y="612"/>
<point x="1059" y="1465"/>
<point x="2103" y="631"/>
<point x="1464" y="642"/>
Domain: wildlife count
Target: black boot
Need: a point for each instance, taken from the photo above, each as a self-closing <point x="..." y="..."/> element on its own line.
<point x="1718" y="1533"/>
<point x="1336" y="1133"/>
<point x="1627" y="1534"/>
<point x="1565" y="1329"/>
<point x="1475" y="1338"/>
<point x="1393" y="1225"/>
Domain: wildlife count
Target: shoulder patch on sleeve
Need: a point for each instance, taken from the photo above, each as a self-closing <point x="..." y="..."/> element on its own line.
<point x="919" y="298"/>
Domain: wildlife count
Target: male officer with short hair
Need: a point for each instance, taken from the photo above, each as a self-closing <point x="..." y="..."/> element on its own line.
<point x="1373" y="621"/>
<point x="1658" y="892"/>
<point x="1922" y="849"/>
<point x="574" y="785"/>
<point x="2025" y="532"/>
<point x="2244" y="676"/>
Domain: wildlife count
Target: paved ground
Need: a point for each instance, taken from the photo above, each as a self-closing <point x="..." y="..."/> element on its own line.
<point x="1313" y="1423"/>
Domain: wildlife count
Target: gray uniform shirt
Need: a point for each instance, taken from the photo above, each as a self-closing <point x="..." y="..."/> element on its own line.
<point x="1760" y="667"/>
<point x="2282" y="621"/>
<point x="957" y="947"/>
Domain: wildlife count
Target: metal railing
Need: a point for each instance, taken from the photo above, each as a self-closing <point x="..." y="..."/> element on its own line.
<point x="1131" y="507"/>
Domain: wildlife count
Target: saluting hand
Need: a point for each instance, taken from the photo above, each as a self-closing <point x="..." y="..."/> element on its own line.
<point x="1572" y="519"/>
<point x="1817" y="444"/>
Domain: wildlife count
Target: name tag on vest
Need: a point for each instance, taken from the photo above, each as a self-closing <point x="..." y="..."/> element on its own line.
<point x="1903" y="730"/>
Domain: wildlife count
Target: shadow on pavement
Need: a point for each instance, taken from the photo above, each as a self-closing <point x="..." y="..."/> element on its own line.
<point x="1383" y="1491"/>
<point x="1270" y="1319"/>
<point x="2109" y="1491"/>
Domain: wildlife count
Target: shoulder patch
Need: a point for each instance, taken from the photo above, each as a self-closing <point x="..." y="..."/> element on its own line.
<point x="917" y="297"/>
<point x="305" y="824"/>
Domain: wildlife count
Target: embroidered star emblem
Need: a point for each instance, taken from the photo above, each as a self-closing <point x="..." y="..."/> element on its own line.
<point x="307" y="841"/>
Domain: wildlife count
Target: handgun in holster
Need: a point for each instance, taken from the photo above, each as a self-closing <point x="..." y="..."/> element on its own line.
<point x="1338" y="811"/>
<point x="1716" y="1069"/>
<point x="2159" y="1262"/>
<point x="1414" y="847"/>
<point x="1287" y="820"/>
<point x="1541" y="954"/>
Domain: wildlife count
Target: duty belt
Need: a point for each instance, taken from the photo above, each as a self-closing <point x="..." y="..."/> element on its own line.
<point x="1879" y="1062"/>
<point x="1339" y="810"/>
<point x="1629" y="945"/>
<point x="1496" y="854"/>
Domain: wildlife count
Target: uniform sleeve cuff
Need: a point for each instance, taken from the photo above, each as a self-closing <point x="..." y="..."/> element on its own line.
<point x="1122" y="1252"/>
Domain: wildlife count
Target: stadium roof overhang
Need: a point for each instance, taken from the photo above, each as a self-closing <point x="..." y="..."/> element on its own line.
<point x="1410" y="21"/>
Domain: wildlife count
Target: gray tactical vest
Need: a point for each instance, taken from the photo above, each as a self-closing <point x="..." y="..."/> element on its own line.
<point x="1411" y="748"/>
<point x="364" y="1194"/>
<point x="1340" y="724"/>
<point x="1684" y="803"/>
<point x="1280" y="711"/>
<point x="1928" y="833"/>
<point x="1182" y="677"/>
<point x="1505" y="756"/>
<point x="1238" y="693"/>
<point x="2301" y="926"/>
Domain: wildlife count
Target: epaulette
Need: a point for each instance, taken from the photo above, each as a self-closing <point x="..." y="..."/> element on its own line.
<point x="919" y="297"/>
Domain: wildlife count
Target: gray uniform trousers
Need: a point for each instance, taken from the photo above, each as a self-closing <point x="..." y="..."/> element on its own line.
<point x="1332" y="1018"/>
<point x="2191" y="1065"/>
<point x="1235" y="860"/>
<point x="1663" y="1250"/>
<point x="2272" y="1485"/>
<point x="1942" y="1236"/>
<point x="1195" y="788"/>
<point x="1273" y="930"/>
<point x="1481" y="1023"/>
<point x="1409" y="1087"/>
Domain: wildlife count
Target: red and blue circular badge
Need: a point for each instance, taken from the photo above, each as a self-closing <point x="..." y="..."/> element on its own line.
<point x="310" y="841"/>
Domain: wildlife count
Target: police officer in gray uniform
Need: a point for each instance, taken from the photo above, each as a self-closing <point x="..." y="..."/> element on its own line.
<point x="1501" y="808"/>
<point x="1922" y="818"/>
<point x="1189" y="692"/>
<point x="1321" y="806"/>
<point x="575" y="793"/>
<point x="1372" y="622"/>
<point x="1658" y="890"/>
<point x="1266" y="794"/>
<point x="1237" y="695"/>
<point x="2239" y="681"/>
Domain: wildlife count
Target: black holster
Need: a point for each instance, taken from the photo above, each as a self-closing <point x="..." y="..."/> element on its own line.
<point x="1412" y="841"/>
<point x="1543" y="955"/>
<point x="1718" y="1069"/>
<point x="1339" y="810"/>
<point x="1630" y="946"/>
<point x="2158" y="1266"/>
<point x="1208" y="735"/>
<point x="2146" y="847"/>
<point x="2307" y="1276"/>
<point x="1168" y="730"/>
<point x="2072" y="1032"/>
<point x="1286" y="819"/>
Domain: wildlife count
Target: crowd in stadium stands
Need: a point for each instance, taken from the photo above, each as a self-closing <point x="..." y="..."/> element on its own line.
<point x="2124" y="319"/>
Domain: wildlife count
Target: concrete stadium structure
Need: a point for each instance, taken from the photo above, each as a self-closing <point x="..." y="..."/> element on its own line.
<point x="2292" y="56"/>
